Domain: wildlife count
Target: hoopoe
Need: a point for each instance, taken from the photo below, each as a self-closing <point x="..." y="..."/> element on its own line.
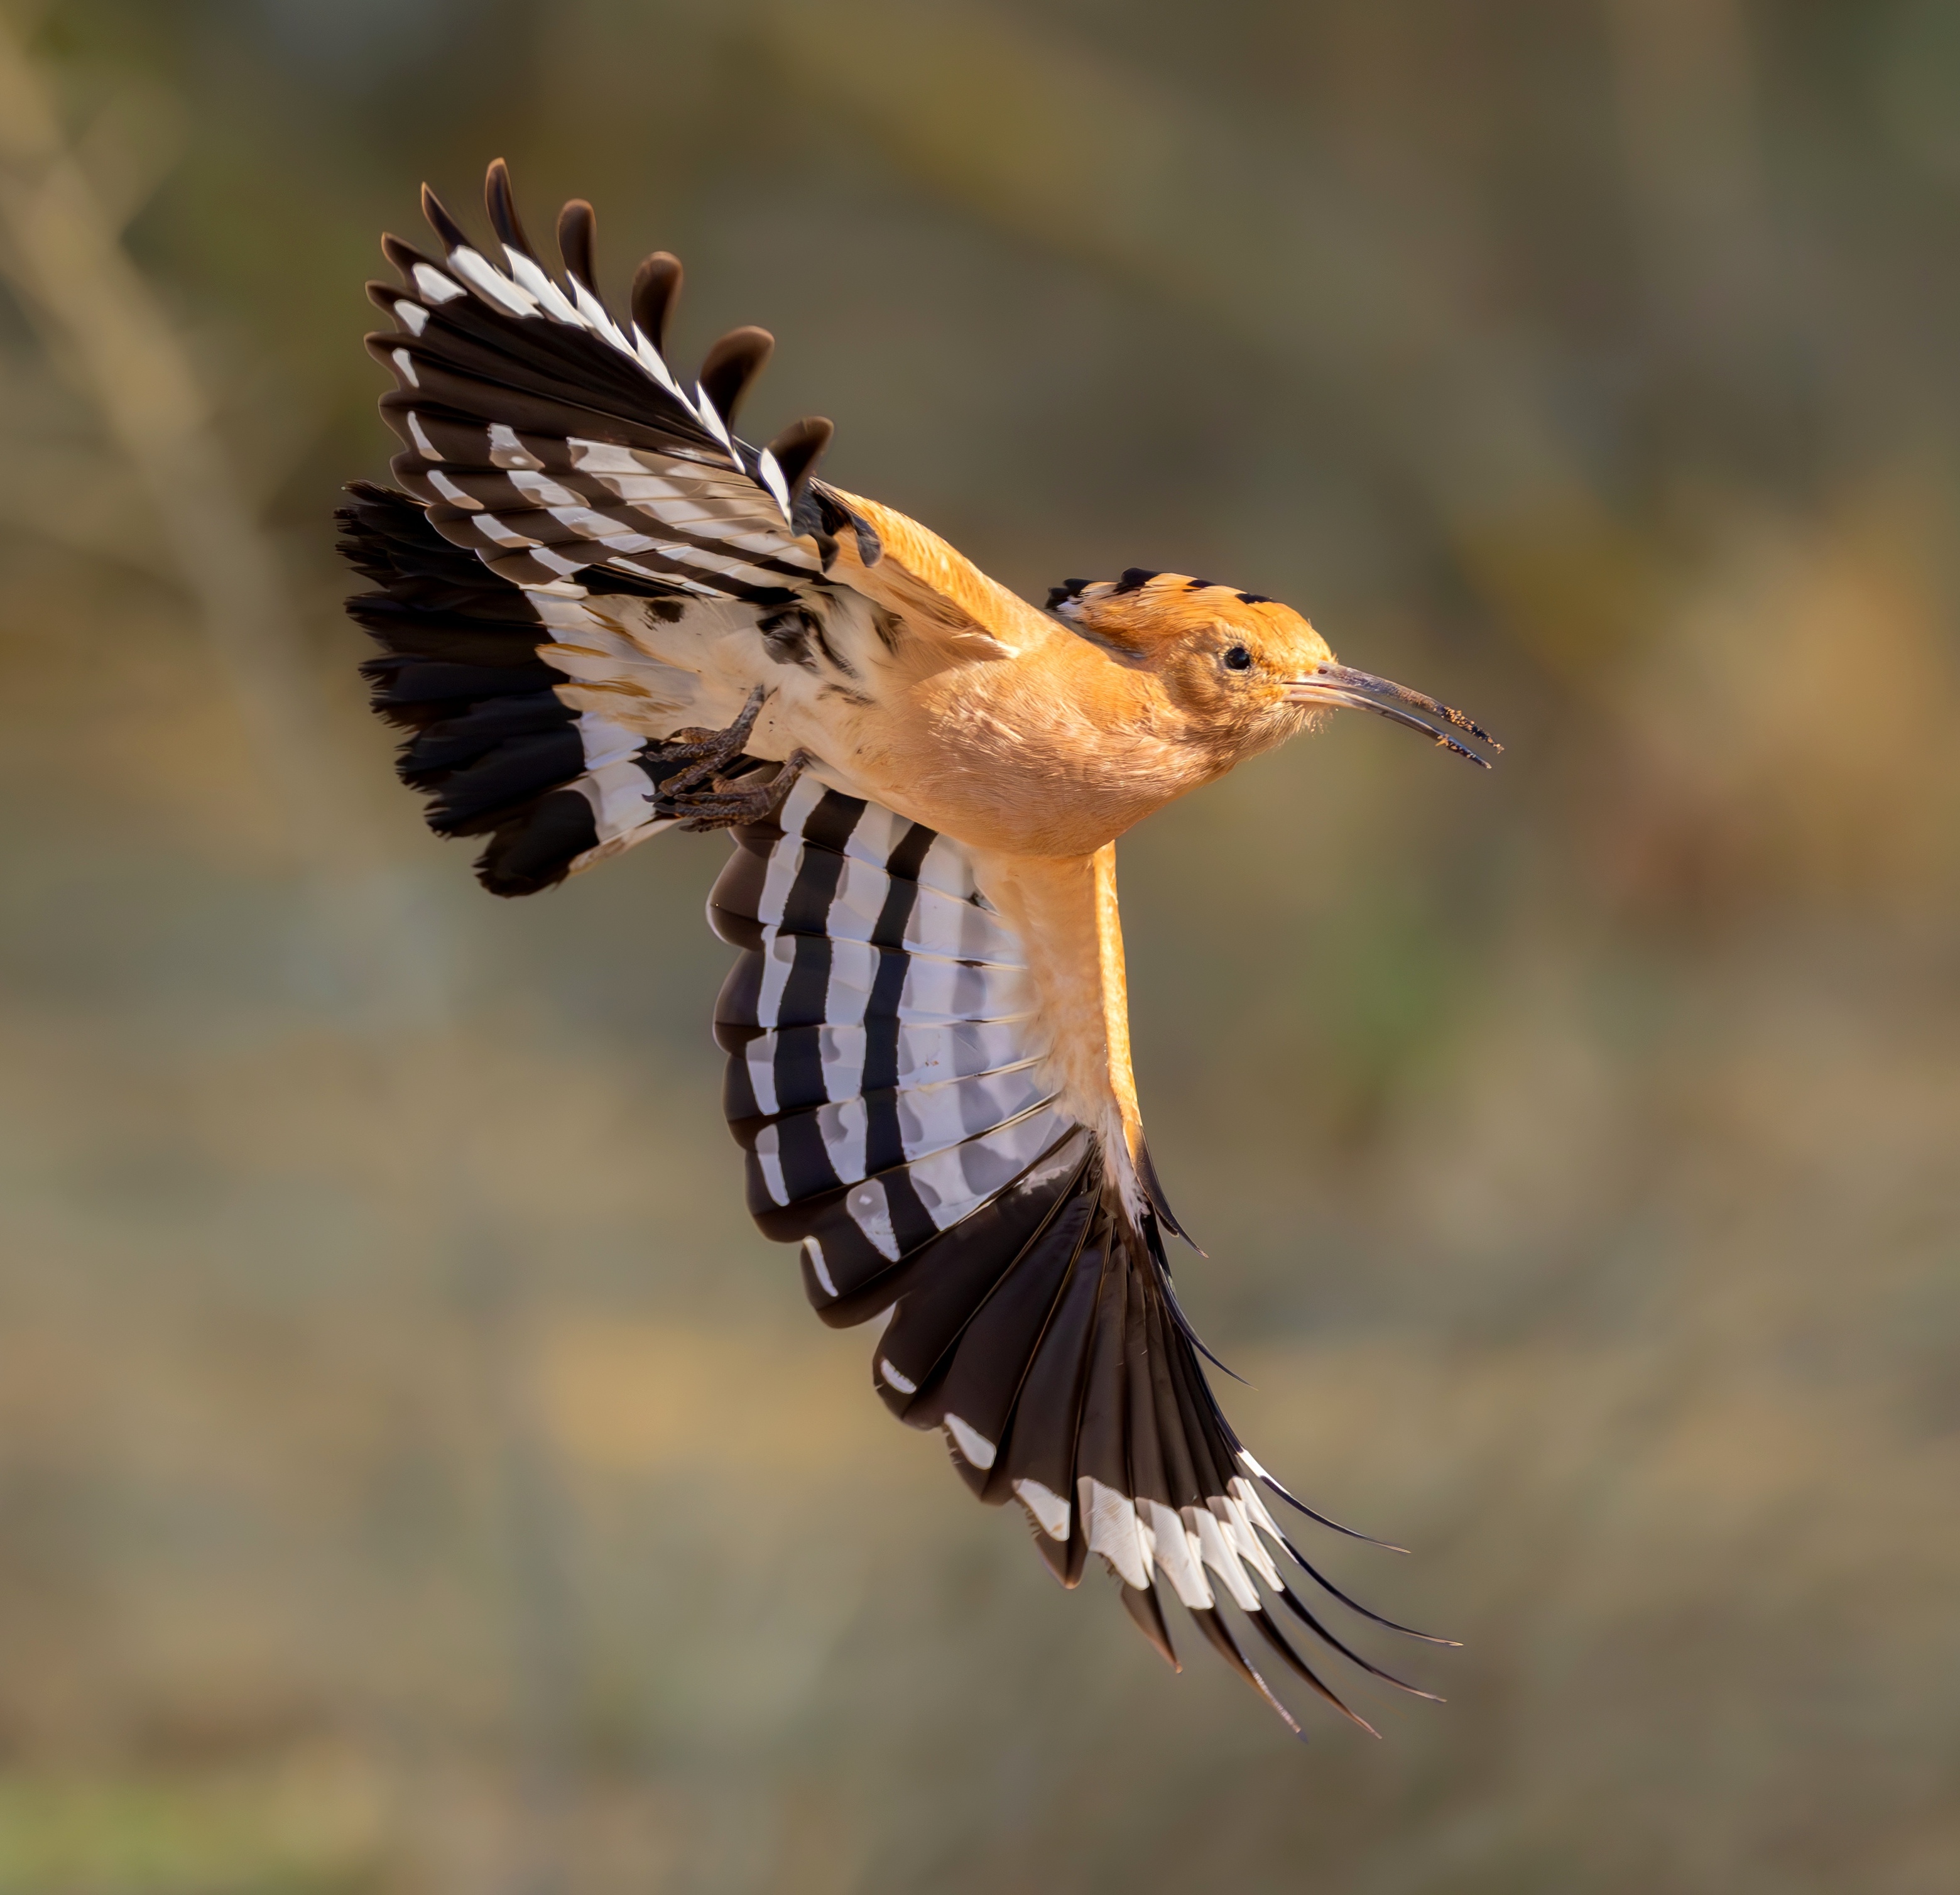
<point x="603" y="615"/>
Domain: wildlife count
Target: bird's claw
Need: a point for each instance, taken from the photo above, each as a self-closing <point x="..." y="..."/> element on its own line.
<point x="706" y="751"/>
<point x="725" y="801"/>
<point x="727" y="804"/>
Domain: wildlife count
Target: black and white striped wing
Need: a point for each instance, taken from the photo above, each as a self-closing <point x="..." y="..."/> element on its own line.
<point x="553" y="462"/>
<point x="887" y="1078"/>
<point x="556" y="442"/>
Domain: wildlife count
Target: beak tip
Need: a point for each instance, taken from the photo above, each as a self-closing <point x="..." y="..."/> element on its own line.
<point x="1331" y="683"/>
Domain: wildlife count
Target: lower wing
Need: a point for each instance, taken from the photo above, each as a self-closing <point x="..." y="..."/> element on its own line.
<point x="886" y="1076"/>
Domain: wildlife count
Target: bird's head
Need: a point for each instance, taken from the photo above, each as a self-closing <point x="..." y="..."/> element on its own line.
<point x="1248" y="672"/>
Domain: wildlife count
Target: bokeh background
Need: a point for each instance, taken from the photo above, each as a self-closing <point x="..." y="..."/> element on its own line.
<point x="415" y="1475"/>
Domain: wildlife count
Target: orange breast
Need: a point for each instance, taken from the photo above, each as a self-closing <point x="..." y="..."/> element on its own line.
<point x="1053" y="752"/>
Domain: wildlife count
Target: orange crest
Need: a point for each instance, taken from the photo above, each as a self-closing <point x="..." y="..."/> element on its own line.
<point x="1140" y="614"/>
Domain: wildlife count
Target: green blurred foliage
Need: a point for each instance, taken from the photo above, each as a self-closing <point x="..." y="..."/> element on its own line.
<point x="414" y="1473"/>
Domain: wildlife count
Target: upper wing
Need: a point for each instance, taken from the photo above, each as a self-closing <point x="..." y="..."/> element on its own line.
<point x="550" y="441"/>
<point x="556" y="443"/>
<point x="887" y="1076"/>
<point x="564" y="484"/>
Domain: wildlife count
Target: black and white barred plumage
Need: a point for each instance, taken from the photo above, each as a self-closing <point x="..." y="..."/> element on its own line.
<point x="887" y="1071"/>
<point x="885" y="1078"/>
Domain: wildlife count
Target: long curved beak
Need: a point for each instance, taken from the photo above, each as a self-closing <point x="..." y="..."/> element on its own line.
<point x="1336" y="685"/>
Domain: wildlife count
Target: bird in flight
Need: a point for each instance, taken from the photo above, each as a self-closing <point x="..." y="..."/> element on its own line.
<point x="603" y="615"/>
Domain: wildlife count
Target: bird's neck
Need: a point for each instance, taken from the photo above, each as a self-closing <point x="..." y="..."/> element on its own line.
<point x="1053" y="752"/>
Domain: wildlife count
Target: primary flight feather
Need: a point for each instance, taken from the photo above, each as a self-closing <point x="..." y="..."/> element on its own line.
<point x="603" y="614"/>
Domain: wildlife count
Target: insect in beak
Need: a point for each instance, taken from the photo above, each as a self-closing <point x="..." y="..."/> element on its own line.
<point x="1338" y="686"/>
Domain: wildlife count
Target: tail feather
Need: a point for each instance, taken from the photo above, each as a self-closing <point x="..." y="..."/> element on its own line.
<point x="491" y="745"/>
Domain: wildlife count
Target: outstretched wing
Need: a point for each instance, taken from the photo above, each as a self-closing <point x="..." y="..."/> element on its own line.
<point x="887" y="1077"/>
<point x="582" y="487"/>
<point x="555" y="442"/>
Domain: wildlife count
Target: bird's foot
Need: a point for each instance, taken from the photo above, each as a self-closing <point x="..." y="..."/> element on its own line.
<point x="705" y="752"/>
<point x="728" y="802"/>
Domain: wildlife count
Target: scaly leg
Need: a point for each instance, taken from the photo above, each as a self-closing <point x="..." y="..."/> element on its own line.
<point x="707" y="751"/>
<point x="727" y="804"/>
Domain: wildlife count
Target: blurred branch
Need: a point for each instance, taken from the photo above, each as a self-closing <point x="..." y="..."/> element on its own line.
<point x="63" y="252"/>
<point x="130" y="146"/>
<point x="39" y="486"/>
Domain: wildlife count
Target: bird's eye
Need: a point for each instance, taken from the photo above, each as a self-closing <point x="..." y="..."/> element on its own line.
<point x="1237" y="658"/>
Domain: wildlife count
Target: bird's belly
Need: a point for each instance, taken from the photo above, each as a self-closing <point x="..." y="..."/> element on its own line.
<point x="1014" y="792"/>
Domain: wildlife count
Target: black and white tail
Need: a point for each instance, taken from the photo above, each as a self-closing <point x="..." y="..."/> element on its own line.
<point x="496" y="750"/>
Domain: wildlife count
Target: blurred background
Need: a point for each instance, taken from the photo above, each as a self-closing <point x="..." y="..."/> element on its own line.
<point x="415" y="1475"/>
